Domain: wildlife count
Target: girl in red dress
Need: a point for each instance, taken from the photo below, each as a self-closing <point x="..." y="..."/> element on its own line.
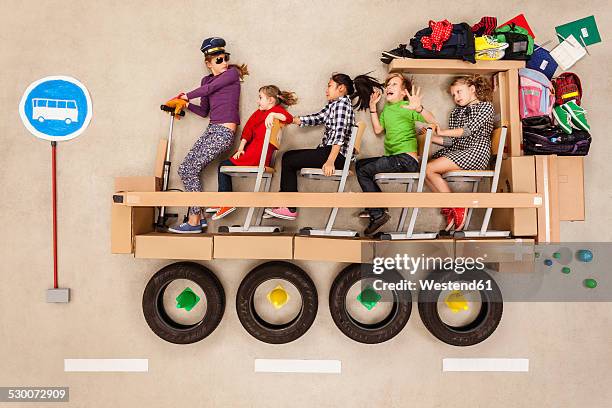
<point x="269" y="107"/>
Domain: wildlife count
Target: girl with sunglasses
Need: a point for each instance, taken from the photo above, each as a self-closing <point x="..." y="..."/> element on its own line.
<point x="219" y="96"/>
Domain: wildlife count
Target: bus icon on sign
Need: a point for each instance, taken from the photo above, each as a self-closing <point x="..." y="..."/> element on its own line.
<point x="55" y="109"/>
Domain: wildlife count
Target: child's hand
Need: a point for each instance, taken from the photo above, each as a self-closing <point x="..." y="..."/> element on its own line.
<point x="328" y="169"/>
<point x="414" y="99"/>
<point x="237" y="155"/>
<point x="270" y="119"/>
<point x="374" y="98"/>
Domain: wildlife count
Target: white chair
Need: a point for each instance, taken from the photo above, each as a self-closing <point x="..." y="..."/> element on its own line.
<point x="409" y="179"/>
<point x="262" y="174"/>
<point x="339" y="176"/>
<point x="498" y="141"/>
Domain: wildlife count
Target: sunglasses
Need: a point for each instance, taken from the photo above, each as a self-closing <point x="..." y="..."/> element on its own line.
<point x="219" y="60"/>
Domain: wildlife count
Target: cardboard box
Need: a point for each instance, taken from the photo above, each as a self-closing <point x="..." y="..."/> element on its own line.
<point x="571" y="188"/>
<point x="253" y="246"/>
<point x="160" y="158"/>
<point x="333" y="249"/>
<point x="137" y="183"/>
<point x="126" y="222"/>
<point x="517" y="175"/>
<point x="547" y="184"/>
<point x="174" y="246"/>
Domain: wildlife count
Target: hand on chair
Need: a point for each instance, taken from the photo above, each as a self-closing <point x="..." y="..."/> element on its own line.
<point x="328" y="169"/>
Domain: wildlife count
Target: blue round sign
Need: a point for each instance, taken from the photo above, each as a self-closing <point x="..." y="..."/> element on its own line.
<point x="56" y="108"/>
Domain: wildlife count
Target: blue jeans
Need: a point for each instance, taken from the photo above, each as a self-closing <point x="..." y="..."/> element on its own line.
<point x="224" y="180"/>
<point x="366" y="169"/>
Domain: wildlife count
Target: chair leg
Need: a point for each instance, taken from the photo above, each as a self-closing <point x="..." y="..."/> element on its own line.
<point x="260" y="210"/>
<point x="402" y="221"/>
<point x="470" y="210"/>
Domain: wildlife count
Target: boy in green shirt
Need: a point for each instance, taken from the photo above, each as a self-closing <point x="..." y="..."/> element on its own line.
<point x="397" y="120"/>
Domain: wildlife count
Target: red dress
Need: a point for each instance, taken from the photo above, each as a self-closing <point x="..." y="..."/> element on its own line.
<point x="254" y="133"/>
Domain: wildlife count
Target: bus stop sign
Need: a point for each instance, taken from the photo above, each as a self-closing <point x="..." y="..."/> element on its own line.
<point x="56" y="108"/>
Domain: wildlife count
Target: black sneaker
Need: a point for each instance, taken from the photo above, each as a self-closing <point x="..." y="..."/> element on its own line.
<point x="399" y="52"/>
<point x="376" y="223"/>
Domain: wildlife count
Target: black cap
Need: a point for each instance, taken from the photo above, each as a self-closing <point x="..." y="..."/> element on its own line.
<point x="213" y="46"/>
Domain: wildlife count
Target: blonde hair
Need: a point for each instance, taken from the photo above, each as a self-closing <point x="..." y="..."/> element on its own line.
<point x="406" y="83"/>
<point x="286" y="98"/>
<point x="484" y="90"/>
<point x="243" y="69"/>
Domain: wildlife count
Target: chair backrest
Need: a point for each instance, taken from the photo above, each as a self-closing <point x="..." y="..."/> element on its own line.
<point x="276" y="136"/>
<point x="424" y="147"/>
<point x="361" y="127"/>
<point x="498" y="141"/>
<point x="496" y="146"/>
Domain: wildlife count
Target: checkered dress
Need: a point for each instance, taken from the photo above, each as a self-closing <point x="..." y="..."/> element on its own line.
<point x="471" y="151"/>
<point x="339" y="119"/>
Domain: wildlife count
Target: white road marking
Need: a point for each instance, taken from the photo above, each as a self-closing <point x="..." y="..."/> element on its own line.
<point x="263" y="365"/>
<point x="106" y="364"/>
<point x="485" y="364"/>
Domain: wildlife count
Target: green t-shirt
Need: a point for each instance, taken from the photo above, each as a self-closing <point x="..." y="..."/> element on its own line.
<point x="400" y="132"/>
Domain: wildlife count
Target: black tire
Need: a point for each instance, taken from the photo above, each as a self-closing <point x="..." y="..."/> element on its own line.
<point x="276" y="333"/>
<point x="385" y="330"/>
<point x="474" y="332"/>
<point x="162" y="324"/>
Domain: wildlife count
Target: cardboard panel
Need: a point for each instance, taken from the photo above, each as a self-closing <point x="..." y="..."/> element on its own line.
<point x="500" y="100"/>
<point x="515" y="127"/>
<point x="174" y="246"/>
<point x="517" y="175"/>
<point x="160" y="158"/>
<point x="438" y="248"/>
<point x="126" y="222"/>
<point x="547" y="184"/>
<point x="137" y="183"/>
<point x="121" y="229"/>
<point x="333" y="249"/>
<point x="253" y="246"/>
<point x="571" y="188"/>
<point x="496" y="250"/>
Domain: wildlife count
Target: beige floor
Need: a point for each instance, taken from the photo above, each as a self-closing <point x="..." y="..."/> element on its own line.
<point x="135" y="55"/>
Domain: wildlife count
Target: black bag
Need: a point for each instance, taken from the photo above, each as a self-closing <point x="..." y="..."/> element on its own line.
<point x="552" y="140"/>
<point x="460" y="45"/>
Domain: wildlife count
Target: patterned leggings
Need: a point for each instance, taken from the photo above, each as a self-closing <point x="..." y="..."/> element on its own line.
<point x="215" y="140"/>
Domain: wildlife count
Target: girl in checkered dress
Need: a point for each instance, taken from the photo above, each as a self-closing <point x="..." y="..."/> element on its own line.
<point x="467" y="141"/>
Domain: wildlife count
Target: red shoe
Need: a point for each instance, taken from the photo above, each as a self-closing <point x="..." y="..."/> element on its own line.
<point x="222" y="212"/>
<point x="450" y="217"/>
<point x="459" y="218"/>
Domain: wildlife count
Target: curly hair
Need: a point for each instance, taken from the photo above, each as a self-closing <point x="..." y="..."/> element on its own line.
<point x="484" y="89"/>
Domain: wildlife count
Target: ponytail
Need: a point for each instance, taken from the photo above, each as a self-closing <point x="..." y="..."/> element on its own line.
<point x="358" y="89"/>
<point x="243" y="70"/>
<point x="286" y="98"/>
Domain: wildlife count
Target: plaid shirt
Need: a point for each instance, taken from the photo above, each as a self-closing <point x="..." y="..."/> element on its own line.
<point x="339" y="119"/>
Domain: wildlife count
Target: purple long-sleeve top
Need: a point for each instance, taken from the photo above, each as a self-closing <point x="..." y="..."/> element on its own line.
<point x="219" y="97"/>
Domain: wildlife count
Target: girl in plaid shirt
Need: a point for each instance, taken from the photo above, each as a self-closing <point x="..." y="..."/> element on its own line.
<point x="339" y="118"/>
<point x="467" y="141"/>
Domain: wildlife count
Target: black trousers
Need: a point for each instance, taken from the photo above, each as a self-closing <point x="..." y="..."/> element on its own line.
<point x="366" y="169"/>
<point x="295" y="160"/>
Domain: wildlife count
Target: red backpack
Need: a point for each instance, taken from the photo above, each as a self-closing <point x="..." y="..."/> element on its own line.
<point x="567" y="87"/>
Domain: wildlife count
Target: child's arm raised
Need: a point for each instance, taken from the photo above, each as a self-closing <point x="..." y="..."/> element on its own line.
<point x="376" y="122"/>
<point x="416" y="105"/>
